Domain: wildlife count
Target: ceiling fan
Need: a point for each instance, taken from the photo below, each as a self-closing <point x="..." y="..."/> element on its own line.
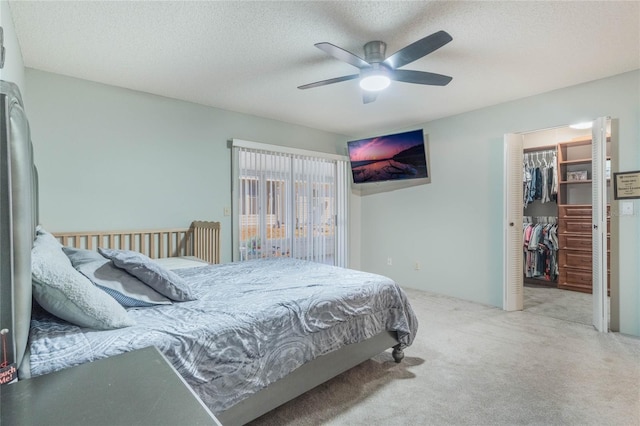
<point x="376" y="72"/>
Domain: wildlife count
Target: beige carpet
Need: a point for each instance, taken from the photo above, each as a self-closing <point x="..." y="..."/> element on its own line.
<point x="477" y="365"/>
<point x="561" y="304"/>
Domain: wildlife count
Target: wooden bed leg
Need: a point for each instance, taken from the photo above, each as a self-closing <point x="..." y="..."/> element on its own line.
<point x="397" y="353"/>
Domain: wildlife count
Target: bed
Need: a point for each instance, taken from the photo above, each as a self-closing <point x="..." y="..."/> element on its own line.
<point x="250" y="335"/>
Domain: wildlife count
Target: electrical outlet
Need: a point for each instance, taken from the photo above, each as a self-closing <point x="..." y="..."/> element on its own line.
<point x="416" y="266"/>
<point x="227" y="211"/>
<point x="389" y="261"/>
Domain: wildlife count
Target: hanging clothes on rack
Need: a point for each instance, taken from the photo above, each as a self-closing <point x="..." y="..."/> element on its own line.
<point x="540" y="236"/>
<point x="539" y="178"/>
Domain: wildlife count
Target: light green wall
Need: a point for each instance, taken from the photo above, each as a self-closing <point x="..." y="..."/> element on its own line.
<point x="453" y="226"/>
<point x="111" y="158"/>
<point x="13" y="69"/>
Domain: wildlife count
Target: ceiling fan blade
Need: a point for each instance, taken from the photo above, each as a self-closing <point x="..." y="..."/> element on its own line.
<point x="418" y="49"/>
<point x="330" y="81"/>
<point x="421" y="77"/>
<point x="342" y="55"/>
<point x="368" y="97"/>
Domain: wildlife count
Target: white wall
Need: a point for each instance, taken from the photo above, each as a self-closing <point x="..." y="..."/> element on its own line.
<point x="453" y="226"/>
<point x="13" y="67"/>
<point x="111" y="158"/>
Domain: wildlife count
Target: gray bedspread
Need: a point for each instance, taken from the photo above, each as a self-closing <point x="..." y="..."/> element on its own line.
<point x="253" y="323"/>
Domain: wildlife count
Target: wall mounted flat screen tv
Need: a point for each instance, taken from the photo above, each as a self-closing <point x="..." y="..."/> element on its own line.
<point x="399" y="156"/>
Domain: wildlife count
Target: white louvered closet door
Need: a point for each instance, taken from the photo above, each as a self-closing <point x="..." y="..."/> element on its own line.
<point x="513" y="297"/>
<point x="599" y="231"/>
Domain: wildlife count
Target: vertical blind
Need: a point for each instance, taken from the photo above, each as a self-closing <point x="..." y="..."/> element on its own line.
<point x="289" y="203"/>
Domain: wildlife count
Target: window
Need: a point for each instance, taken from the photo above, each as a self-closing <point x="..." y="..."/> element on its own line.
<point x="289" y="203"/>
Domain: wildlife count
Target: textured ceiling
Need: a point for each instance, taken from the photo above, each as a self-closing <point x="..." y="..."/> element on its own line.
<point x="251" y="56"/>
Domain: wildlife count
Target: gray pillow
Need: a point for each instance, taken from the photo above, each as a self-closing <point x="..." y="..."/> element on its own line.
<point x="66" y="293"/>
<point x="80" y="256"/>
<point x="146" y="270"/>
<point x="129" y="291"/>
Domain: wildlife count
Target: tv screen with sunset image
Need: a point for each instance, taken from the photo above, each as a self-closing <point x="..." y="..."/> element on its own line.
<point x="392" y="157"/>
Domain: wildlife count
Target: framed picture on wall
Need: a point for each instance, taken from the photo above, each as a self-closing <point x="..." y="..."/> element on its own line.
<point x="626" y="185"/>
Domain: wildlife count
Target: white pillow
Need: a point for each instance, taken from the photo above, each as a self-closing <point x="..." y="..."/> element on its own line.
<point x="68" y="294"/>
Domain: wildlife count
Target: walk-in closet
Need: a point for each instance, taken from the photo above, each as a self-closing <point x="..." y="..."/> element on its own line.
<point x="556" y="228"/>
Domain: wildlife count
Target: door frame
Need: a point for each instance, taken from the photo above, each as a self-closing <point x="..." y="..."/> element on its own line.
<point x="513" y="279"/>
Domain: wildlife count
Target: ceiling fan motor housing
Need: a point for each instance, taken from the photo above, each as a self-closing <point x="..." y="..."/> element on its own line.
<point x="374" y="54"/>
<point x="374" y="51"/>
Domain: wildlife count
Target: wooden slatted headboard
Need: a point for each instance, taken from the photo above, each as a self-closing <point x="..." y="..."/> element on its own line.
<point x="201" y="239"/>
<point x="206" y="240"/>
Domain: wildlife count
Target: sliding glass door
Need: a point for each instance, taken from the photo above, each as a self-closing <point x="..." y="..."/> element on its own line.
<point x="289" y="205"/>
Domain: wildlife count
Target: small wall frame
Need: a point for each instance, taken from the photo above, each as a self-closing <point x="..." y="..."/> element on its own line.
<point x="626" y="185"/>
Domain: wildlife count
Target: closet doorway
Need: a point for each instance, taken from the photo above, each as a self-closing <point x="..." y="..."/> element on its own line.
<point x="557" y="257"/>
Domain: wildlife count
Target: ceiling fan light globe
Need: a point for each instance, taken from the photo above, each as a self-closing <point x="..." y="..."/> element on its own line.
<point x="375" y="83"/>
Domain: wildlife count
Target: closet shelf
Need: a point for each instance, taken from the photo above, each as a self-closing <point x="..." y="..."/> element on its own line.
<point x="577" y="161"/>
<point x="570" y="182"/>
